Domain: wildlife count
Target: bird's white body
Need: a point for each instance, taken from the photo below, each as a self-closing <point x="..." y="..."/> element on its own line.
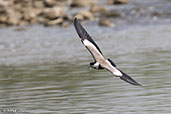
<point x="100" y="58"/>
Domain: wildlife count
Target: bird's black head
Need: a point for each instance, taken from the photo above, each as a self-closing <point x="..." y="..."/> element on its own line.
<point x="96" y="65"/>
<point x="92" y="63"/>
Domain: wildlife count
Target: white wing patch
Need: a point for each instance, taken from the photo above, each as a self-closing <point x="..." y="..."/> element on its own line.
<point x="100" y="59"/>
<point x="98" y="56"/>
<point x="88" y="43"/>
<point x="116" y="71"/>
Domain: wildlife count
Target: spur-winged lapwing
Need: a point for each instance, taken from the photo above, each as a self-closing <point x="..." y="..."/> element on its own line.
<point x="99" y="61"/>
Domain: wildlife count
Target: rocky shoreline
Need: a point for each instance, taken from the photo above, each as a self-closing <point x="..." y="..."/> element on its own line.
<point x="54" y="12"/>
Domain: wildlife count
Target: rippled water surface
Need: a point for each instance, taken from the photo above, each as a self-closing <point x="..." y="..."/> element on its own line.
<point x="45" y="70"/>
<point x="48" y="73"/>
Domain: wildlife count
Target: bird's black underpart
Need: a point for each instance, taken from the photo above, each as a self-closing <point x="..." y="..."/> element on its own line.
<point x="100" y="67"/>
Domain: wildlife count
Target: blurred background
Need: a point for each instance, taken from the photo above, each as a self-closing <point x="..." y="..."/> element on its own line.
<point x="44" y="66"/>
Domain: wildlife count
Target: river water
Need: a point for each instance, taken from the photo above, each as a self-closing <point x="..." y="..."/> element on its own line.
<point x="45" y="70"/>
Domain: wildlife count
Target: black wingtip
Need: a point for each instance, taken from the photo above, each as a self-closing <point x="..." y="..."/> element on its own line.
<point x="128" y="79"/>
<point x="75" y="21"/>
<point x="80" y="30"/>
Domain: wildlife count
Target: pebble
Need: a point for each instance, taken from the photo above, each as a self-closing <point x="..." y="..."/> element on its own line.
<point x="54" y="22"/>
<point x="98" y="9"/>
<point x="82" y="3"/>
<point x="86" y="14"/>
<point x="106" y="22"/>
<point x="117" y="1"/>
<point x="31" y="13"/>
<point x="3" y="19"/>
<point x="50" y="3"/>
<point x="64" y="25"/>
<point x="13" y="17"/>
<point x="55" y="12"/>
<point x="113" y="13"/>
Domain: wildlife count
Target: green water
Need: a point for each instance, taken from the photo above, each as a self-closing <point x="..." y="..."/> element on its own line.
<point x="49" y="74"/>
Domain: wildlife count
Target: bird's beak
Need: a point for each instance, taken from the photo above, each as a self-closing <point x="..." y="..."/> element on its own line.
<point x="128" y="79"/>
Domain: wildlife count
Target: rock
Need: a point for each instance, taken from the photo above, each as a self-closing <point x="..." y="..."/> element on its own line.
<point x="79" y="17"/>
<point x="106" y="22"/>
<point x="18" y="29"/>
<point x="103" y="11"/>
<point x="33" y="21"/>
<point x="52" y="12"/>
<point x="54" y="22"/>
<point x="55" y="12"/>
<point x="3" y="18"/>
<point x="13" y="17"/>
<point x="38" y="4"/>
<point x="23" y="23"/>
<point x="117" y="1"/>
<point x="156" y="13"/>
<point x="114" y="13"/>
<point x="85" y="15"/>
<point x="98" y="9"/>
<point x="18" y="7"/>
<point x="67" y="17"/>
<point x="12" y="20"/>
<point x="49" y="3"/>
<point x="110" y="2"/>
<point x="41" y="20"/>
<point x="31" y="13"/>
<point x="83" y="3"/>
<point x="121" y="1"/>
<point x="64" y="25"/>
<point x="6" y="3"/>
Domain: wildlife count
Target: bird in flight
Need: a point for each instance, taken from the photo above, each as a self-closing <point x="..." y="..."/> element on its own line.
<point x="99" y="61"/>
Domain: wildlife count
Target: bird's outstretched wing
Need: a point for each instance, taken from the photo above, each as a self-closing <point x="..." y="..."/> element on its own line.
<point x="98" y="56"/>
<point x="121" y="74"/>
<point x="88" y="41"/>
<point x="128" y="79"/>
